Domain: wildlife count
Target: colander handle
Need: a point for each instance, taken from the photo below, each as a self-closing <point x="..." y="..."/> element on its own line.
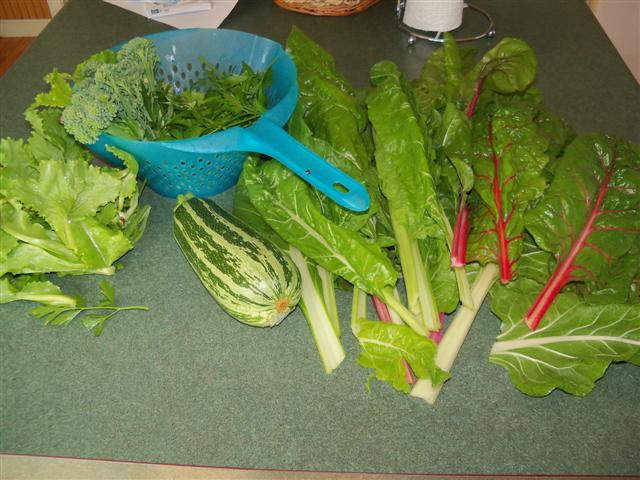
<point x="270" y="139"/>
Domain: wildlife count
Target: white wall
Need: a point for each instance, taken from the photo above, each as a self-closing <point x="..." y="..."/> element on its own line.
<point x="621" y="20"/>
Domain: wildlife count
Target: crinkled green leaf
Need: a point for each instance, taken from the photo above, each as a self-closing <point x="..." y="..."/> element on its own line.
<point x="508" y="67"/>
<point x="32" y="288"/>
<point x="508" y="164"/>
<point x="290" y="207"/>
<point x="443" y="279"/>
<point x="589" y="217"/>
<point x="573" y="348"/>
<point x="331" y="121"/>
<point x="64" y="191"/>
<point x="401" y="159"/>
<point x="16" y="222"/>
<point x="98" y="245"/>
<point x="49" y="140"/>
<point x="455" y="137"/>
<point x="342" y="152"/>
<point x="318" y="77"/>
<point x="534" y="263"/>
<point x="59" y="94"/>
<point x="385" y="345"/>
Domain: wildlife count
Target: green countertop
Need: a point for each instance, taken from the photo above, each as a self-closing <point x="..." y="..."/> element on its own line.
<point x="186" y="384"/>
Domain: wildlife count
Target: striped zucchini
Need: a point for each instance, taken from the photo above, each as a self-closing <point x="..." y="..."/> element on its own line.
<point x="252" y="279"/>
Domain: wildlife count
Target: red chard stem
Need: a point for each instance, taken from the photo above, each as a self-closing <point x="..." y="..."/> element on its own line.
<point x="476" y="95"/>
<point x="460" y="236"/>
<point x="562" y="273"/>
<point x="504" y="263"/>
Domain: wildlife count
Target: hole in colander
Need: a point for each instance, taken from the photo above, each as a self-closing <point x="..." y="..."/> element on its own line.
<point x="209" y="163"/>
<point x="182" y="162"/>
<point x="174" y="67"/>
<point x="170" y="78"/>
<point x="183" y="75"/>
<point x="189" y="66"/>
<point x="161" y="72"/>
<point x="178" y="83"/>
<point x="200" y="159"/>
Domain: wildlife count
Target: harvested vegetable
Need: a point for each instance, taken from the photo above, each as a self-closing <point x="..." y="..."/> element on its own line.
<point x="250" y="277"/>
<point x="61" y="214"/>
<point x="571" y="350"/>
<point x="118" y="93"/>
<point x="317" y="303"/>
<point x="589" y="219"/>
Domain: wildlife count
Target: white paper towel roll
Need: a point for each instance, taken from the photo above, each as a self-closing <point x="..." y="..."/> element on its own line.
<point x="433" y="15"/>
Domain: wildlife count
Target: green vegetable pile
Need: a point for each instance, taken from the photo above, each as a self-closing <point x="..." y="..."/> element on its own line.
<point x="472" y="180"/>
<point x="118" y="93"/>
<point x="60" y="214"/>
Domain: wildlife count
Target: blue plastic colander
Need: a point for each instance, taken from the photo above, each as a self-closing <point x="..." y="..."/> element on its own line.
<point x="211" y="164"/>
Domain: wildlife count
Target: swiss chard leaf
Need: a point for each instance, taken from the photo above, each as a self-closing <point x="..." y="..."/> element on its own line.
<point x="385" y="345"/>
<point x="574" y="348"/>
<point x="331" y="121"/>
<point x="508" y="164"/>
<point x="402" y="161"/>
<point x="589" y="217"/>
<point x="289" y="206"/>
<point x="508" y="67"/>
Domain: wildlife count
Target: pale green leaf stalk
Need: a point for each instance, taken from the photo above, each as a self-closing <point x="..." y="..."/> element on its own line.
<point x="318" y="314"/>
<point x="329" y="295"/>
<point x="456" y="333"/>
<point x="358" y="309"/>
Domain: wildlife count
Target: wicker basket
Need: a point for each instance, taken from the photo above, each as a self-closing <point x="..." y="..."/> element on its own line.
<point x="330" y="8"/>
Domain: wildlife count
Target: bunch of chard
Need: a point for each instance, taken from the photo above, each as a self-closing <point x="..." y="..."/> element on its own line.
<point x="460" y="165"/>
<point x="575" y="218"/>
<point x="329" y="243"/>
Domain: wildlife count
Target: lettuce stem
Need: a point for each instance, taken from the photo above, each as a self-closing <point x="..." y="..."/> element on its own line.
<point x="456" y="333"/>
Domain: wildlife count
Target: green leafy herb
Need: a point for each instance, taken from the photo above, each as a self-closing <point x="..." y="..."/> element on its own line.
<point x="118" y="93"/>
<point x="93" y="317"/>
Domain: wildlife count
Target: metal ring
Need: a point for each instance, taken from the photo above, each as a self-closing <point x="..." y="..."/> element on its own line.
<point x="437" y="36"/>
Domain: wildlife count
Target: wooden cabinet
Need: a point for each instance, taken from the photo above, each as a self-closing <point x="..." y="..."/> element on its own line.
<point x="24" y="9"/>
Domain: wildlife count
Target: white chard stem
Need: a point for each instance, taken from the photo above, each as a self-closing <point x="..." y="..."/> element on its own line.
<point x="455" y="334"/>
<point x="315" y="311"/>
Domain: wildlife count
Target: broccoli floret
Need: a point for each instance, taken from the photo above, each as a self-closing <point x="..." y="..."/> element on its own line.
<point x="91" y="111"/>
<point x="118" y="97"/>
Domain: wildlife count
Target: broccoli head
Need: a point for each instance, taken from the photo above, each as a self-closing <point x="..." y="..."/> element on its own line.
<point x="91" y="111"/>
